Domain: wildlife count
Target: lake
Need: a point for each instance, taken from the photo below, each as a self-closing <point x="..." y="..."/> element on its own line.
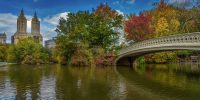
<point x="144" y="82"/>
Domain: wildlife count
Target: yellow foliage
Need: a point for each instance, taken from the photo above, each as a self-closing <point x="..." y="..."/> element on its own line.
<point x="174" y="26"/>
<point x="165" y="20"/>
<point x="162" y="27"/>
<point x="168" y="13"/>
<point x="163" y="57"/>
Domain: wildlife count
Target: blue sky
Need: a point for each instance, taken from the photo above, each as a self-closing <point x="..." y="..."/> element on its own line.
<point x="49" y="11"/>
<point x="51" y="7"/>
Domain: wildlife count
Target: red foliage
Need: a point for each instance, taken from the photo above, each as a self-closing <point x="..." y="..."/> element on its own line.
<point x="105" y="60"/>
<point x="138" y="28"/>
<point x="99" y="61"/>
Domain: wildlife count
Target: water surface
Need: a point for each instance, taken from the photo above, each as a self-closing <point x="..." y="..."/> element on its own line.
<point x="144" y="82"/>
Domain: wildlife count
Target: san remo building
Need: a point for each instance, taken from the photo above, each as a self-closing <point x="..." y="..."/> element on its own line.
<point x="22" y="29"/>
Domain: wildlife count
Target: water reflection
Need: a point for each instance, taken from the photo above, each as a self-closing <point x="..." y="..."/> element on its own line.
<point x="106" y="83"/>
<point x="26" y="81"/>
<point x="175" y="81"/>
<point x="61" y="82"/>
<point x="47" y="88"/>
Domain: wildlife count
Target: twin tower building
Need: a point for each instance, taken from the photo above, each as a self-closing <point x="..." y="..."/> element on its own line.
<point x="22" y="29"/>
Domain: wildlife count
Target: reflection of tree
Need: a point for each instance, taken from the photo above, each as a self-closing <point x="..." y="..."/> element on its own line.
<point x="64" y="83"/>
<point x="173" y="79"/>
<point x="173" y="75"/>
<point x="26" y="80"/>
<point x="86" y="83"/>
<point x="6" y="88"/>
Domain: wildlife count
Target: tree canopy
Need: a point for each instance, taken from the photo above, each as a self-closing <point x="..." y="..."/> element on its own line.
<point x="97" y="29"/>
<point x="27" y="51"/>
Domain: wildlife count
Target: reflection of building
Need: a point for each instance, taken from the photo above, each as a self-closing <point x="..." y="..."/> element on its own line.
<point x="50" y="44"/>
<point x="22" y="29"/>
<point x="3" y="38"/>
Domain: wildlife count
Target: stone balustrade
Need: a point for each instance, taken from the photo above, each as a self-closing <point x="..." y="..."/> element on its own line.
<point x="180" y="39"/>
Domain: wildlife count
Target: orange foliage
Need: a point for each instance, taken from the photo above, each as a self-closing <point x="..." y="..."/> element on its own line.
<point x="138" y="28"/>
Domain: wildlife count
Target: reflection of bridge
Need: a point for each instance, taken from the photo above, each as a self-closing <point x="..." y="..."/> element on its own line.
<point x="187" y="41"/>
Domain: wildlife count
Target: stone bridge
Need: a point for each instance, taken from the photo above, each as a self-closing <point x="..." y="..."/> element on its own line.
<point x="186" y="41"/>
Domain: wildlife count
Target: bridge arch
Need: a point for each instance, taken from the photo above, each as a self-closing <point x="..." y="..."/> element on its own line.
<point x="186" y="41"/>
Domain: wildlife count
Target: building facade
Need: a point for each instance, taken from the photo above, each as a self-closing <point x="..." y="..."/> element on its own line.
<point x="50" y="44"/>
<point x="3" y="38"/>
<point x="22" y="29"/>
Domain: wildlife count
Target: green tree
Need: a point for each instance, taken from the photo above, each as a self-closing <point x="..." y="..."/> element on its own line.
<point x="70" y="33"/>
<point x="3" y="53"/>
<point x="27" y="52"/>
<point x="82" y="56"/>
<point x="97" y="29"/>
<point x="103" y="27"/>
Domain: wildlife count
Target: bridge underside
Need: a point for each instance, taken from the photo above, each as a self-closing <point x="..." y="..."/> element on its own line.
<point x="127" y="59"/>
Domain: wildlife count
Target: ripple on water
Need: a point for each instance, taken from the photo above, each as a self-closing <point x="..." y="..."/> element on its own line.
<point x="3" y="68"/>
<point x="51" y="83"/>
<point x="47" y="88"/>
<point x="6" y="89"/>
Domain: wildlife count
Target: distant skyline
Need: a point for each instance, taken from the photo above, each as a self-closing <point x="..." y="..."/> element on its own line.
<point x="49" y="11"/>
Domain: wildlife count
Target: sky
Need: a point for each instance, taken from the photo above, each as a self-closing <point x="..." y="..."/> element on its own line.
<point x="50" y="11"/>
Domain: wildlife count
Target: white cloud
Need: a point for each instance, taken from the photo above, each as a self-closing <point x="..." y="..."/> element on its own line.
<point x="8" y="24"/>
<point x="121" y="35"/>
<point x="29" y="25"/>
<point x="120" y="12"/>
<point x="29" y="18"/>
<point x="54" y="20"/>
<point x="48" y="32"/>
<point x="7" y="20"/>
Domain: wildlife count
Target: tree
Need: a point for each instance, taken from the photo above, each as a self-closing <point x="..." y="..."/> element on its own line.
<point x="163" y="57"/>
<point x="82" y="56"/>
<point x="165" y="20"/>
<point x="97" y="29"/>
<point x="174" y="26"/>
<point x="27" y="52"/>
<point x="3" y="53"/>
<point x="138" y="28"/>
<point x="70" y="33"/>
<point x="103" y="27"/>
<point x="162" y="27"/>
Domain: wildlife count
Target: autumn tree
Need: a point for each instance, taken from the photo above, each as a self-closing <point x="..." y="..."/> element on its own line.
<point x="138" y="28"/>
<point x="162" y="27"/>
<point x="165" y="20"/>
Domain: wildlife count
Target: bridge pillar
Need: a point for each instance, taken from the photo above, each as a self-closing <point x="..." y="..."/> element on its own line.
<point x="126" y="61"/>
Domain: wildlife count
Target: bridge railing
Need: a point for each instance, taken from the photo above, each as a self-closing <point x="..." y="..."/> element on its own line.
<point x="173" y="39"/>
